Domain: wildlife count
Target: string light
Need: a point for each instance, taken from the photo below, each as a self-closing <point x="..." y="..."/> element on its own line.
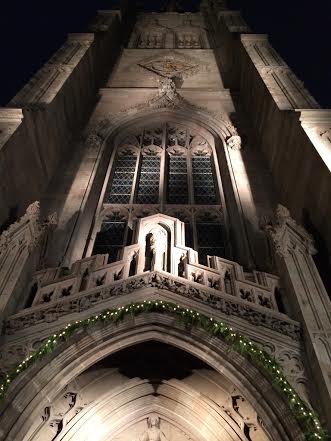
<point x="240" y="343"/>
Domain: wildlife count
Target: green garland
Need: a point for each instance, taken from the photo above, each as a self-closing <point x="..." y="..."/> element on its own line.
<point x="301" y="411"/>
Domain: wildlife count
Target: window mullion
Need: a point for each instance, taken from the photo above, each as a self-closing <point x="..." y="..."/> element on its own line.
<point x="190" y="177"/>
<point x="135" y="183"/>
<point x="163" y="169"/>
<point x="195" y="234"/>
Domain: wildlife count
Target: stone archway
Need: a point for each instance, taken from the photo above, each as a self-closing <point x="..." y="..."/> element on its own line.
<point x="40" y="385"/>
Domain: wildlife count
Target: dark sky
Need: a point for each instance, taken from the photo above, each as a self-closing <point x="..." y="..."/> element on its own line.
<point x="30" y="31"/>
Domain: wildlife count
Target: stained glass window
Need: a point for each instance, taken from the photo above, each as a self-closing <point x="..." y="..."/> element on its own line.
<point x="121" y="184"/>
<point x="203" y="180"/>
<point x="148" y="189"/>
<point x="181" y="160"/>
<point x="177" y="180"/>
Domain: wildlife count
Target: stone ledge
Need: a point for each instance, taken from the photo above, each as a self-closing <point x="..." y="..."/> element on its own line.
<point x="218" y="301"/>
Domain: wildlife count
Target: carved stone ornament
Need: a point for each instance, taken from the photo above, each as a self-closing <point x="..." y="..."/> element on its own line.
<point x="50" y="313"/>
<point x="325" y="134"/>
<point x="153" y="431"/>
<point x="93" y="142"/>
<point x="234" y="142"/>
<point x="172" y="65"/>
<point x="28" y="229"/>
<point x="286" y="234"/>
<point x="166" y="97"/>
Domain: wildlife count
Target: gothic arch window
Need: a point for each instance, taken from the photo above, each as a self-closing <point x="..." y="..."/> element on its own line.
<point x="170" y="168"/>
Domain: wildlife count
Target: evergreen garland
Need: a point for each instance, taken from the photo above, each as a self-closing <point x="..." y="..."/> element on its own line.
<point x="300" y="409"/>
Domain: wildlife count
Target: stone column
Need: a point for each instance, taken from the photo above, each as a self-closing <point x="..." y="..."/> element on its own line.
<point x="293" y="250"/>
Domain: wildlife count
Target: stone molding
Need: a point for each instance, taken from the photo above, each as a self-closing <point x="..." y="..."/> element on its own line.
<point x="167" y="97"/>
<point x="234" y="142"/>
<point x="218" y="301"/>
<point x="89" y="348"/>
<point x="287" y="90"/>
<point x="48" y="81"/>
<point x="67" y="412"/>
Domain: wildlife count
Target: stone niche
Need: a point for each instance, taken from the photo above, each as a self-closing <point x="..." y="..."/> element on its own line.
<point x="161" y="241"/>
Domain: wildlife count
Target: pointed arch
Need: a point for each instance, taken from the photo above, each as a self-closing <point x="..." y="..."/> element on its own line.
<point x="41" y="383"/>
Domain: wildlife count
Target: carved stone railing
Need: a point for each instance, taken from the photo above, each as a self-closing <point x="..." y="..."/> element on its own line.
<point x="159" y="259"/>
<point x="225" y="276"/>
<point x="214" y="288"/>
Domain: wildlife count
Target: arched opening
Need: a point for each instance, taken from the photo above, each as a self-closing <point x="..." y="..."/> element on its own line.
<point x="115" y="377"/>
<point x="151" y="391"/>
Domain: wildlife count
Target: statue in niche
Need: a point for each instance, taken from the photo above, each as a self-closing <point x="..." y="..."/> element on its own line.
<point x="156" y="250"/>
<point x="181" y="265"/>
<point x="153" y="433"/>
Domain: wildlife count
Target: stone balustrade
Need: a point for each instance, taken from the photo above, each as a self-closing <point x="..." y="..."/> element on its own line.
<point x="93" y="272"/>
<point x="92" y="281"/>
<point x="159" y="260"/>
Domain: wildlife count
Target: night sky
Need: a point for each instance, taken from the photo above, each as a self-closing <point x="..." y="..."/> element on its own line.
<point x="298" y="29"/>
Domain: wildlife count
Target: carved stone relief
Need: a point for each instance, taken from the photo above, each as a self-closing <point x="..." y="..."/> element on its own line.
<point x="173" y="65"/>
<point x="283" y="228"/>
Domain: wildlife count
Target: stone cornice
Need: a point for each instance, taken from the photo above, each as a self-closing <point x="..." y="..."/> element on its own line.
<point x="315" y="118"/>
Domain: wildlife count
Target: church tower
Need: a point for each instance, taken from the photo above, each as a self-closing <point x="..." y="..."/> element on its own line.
<point x="158" y="281"/>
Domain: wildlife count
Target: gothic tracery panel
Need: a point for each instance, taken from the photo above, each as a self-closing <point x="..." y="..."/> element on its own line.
<point x="111" y="237"/>
<point x="161" y="166"/>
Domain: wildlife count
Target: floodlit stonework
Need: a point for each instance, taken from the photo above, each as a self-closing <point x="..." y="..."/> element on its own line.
<point x="156" y="159"/>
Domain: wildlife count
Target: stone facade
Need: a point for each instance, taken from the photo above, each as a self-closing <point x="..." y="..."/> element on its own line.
<point x="170" y="191"/>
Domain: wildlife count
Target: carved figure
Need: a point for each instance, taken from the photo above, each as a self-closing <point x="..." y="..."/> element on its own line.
<point x="167" y="87"/>
<point x="156" y="249"/>
<point x="153" y="433"/>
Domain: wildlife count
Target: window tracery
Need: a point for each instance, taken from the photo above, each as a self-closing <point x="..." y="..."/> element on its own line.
<point x="168" y="168"/>
<point x="112" y="235"/>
